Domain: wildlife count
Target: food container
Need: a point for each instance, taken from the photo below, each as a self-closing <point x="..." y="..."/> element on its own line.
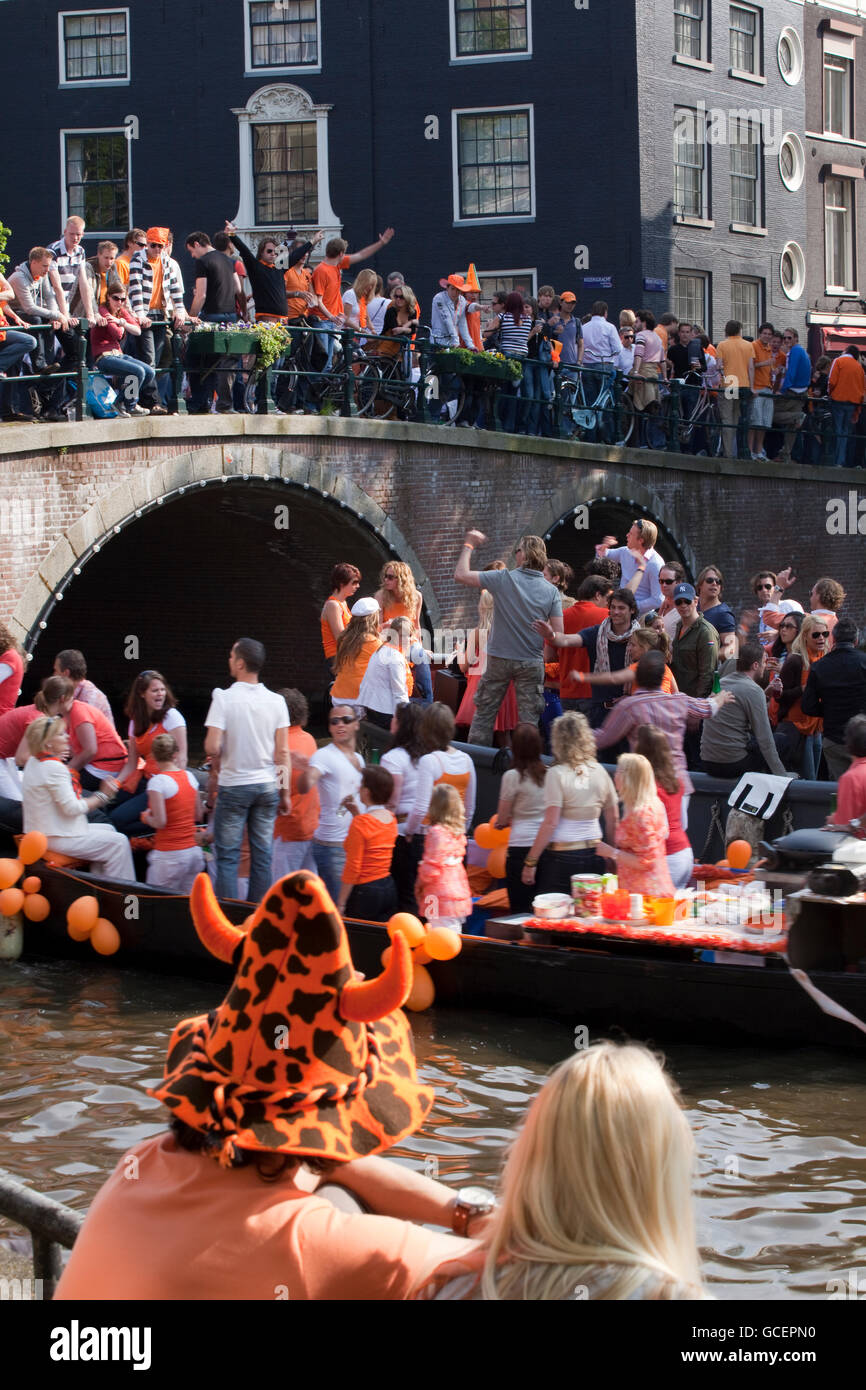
<point x="609" y="883"/>
<point x="551" y="907"/>
<point x="615" y="906"/>
<point x="663" y="911"/>
<point x="586" y="892"/>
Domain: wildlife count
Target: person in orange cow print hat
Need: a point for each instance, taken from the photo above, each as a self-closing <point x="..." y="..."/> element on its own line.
<point x="305" y="1072"/>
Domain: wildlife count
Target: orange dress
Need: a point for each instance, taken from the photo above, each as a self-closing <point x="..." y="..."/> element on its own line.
<point x="329" y="641"/>
<point x="643" y="834"/>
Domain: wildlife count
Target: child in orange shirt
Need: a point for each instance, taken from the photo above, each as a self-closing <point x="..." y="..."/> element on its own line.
<point x="442" y="888"/>
<point x="367" y="890"/>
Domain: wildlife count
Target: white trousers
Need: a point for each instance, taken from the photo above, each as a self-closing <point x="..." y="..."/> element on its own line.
<point x="106" y="849"/>
<point x="290" y="856"/>
<point x="680" y="867"/>
<point x="174" y="869"/>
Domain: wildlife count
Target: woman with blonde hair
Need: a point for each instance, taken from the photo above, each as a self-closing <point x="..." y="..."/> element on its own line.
<point x="654" y="746"/>
<point x="803" y="731"/>
<point x="355" y="646"/>
<point x="356" y="301"/>
<point x="51" y="803"/>
<point x="398" y="596"/>
<point x="577" y="794"/>
<point x="641" y="835"/>
<point x="596" y="1196"/>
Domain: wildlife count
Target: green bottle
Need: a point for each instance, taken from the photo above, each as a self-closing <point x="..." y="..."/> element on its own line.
<point x="375" y="756"/>
<point x="717" y="684"/>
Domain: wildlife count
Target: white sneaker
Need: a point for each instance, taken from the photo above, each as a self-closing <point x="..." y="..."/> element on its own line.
<point x="137" y="410"/>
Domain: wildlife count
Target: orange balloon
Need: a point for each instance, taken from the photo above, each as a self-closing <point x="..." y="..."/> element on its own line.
<point x="105" y="938"/>
<point x="739" y="854"/>
<point x="32" y="847"/>
<point x="11" y="901"/>
<point x="83" y="914"/>
<point x="501" y="837"/>
<point x="10" y="872"/>
<point x="385" y="956"/>
<point x="78" y="933"/>
<point x="485" y="836"/>
<point x="496" y="862"/>
<point x="36" y="908"/>
<point x="420" y="955"/>
<point x="409" y="925"/>
<point x="423" y="991"/>
<point x="442" y="943"/>
<point x="32" y="884"/>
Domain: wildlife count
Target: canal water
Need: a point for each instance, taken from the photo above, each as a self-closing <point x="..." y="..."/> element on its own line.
<point x="781" y="1136"/>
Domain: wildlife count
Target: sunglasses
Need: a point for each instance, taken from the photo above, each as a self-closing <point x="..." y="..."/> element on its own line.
<point x="711" y="579"/>
<point x="763" y="586"/>
<point x="140" y="243"/>
<point x="343" y="719"/>
<point x="791" y="627"/>
<point x="121" y="298"/>
<point x="822" y="633"/>
<point x="683" y="602"/>
<point x="398" y="296"/>
<point x="667" y="581"/>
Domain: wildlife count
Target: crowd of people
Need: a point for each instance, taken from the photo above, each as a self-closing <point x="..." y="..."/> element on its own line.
<point x="131" y="301"/>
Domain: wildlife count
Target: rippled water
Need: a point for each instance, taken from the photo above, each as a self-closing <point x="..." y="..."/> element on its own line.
<point x="781" y="1184"/>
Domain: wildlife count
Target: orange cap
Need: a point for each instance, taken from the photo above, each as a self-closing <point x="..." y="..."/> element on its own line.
<point x="159" y="234"/>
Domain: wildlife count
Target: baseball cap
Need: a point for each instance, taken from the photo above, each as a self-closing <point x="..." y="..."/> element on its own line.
<point x="364" y="607"/>
<point x="566" y="294"/>
<point x="681" y="591"/>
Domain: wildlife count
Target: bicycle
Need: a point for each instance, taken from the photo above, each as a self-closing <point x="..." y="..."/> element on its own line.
<point x="703" y="423"/>
<point x="587" y="418"/>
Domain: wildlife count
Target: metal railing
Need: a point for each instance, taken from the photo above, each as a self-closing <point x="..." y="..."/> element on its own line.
<point x="50" y="1224"/>
<point x="591" y="403"/>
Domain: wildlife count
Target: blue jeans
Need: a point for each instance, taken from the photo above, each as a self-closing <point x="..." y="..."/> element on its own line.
<point x="423" y="691"/>
<point x="841" y="412"/>
<point x="212" y="374"/>
<point x="253" y="807"/>
<point x="330" y="863"/>
<point x="136" y="374"/>
<point x="811" y="757"/>
<point x="535" y="389"/>
<point x="15" y="348"/>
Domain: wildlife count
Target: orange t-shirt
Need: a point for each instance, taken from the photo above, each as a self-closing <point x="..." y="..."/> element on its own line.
<point x="300" y="824"/>
<point x="473" y="323"/>
<point x="369" y="846"/>
<point x="763" y="359"/>
<point x="348" y="681"/>
<point x="661" y="332"/>
<point x="188" y="1229"/>
<point x="735" y="354"/>
<point x="157" y="298"/>
<point x="329" y="641"/>
<point x="122" y="269"/>
<point x="574" y="619"/>
<point x="326" y="283"/>
<point x="298" y="278"/>
<point x="847" y="381"/>
<point x="667" y="679"/>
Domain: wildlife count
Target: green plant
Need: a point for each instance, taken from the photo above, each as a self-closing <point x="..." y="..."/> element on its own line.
<point x="274" y="342"/>
<point x="455" y="358"/>
<point x="5" y="234"/>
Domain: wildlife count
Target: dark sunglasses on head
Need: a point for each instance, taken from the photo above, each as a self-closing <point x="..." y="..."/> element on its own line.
<point x="343" y="719"/>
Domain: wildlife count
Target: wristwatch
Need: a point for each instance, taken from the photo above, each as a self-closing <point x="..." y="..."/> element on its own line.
<point x="471" y="1201"/>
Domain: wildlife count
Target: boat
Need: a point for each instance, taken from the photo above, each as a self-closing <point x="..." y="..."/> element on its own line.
<point x="649" y="992"/>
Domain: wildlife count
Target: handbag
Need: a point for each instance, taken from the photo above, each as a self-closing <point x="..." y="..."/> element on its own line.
<point x="101" y="396"/>
<point x="758" y="794"/>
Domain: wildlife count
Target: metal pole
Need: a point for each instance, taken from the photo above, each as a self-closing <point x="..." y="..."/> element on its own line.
<point x="80" y="371"/>
<point x="346" y="339"/>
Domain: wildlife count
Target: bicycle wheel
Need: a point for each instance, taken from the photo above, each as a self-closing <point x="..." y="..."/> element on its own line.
<point x="627" y="423"/>
<point x="367" y="387"/>
<point x="570" y="400"/>
<point x="713" y="425"/>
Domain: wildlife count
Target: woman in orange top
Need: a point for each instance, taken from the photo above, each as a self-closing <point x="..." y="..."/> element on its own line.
<point x="398" y="597"/>
<point x="151" y="709"/>
<point x="293" y="834"/>
<point x="368" y="890"/>
<point x="803" y="732"/>
<point x="173" y="808"/>
<point x="642" y="640"/>
<point x="335" y="615"/>
<point x="356" y="645"/>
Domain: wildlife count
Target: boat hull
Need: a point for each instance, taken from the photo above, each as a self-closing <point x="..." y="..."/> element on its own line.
<point x="651" y="997"/>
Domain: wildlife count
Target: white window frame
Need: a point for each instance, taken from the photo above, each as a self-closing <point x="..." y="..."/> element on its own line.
<point x="531" y="276"/>
<point x="829" y="287"/>
<point x="282" y="103"/>
<point x="64" y="194"/>
<point x="704" y="275"/>
<point x="704" y="214"/>
<point x="461" y="59"/>
<point x="753" y="127"/>
<point x="758" y="70"/>
<point x="502" y="218"/>
<point x="92" y="81"/>
<point x="834" y="46"/>
<point x="703" y="59"/>
<point x="250" y="71"/>
<point x="760" y="306"/>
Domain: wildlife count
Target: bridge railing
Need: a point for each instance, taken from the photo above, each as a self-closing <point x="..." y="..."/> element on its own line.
<point x="50" y="1224"/>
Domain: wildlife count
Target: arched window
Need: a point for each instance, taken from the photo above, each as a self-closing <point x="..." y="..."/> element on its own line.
<point x="284" y="182"/>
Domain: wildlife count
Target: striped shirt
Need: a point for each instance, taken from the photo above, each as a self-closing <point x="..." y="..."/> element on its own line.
<point x="141" y="286"/>
<point x="68" y="264"/>
<point x="513" y="336"/>
<point x="670" y="713"/>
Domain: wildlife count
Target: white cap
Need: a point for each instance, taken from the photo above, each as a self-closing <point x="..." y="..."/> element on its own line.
<point x="364" y="607"/>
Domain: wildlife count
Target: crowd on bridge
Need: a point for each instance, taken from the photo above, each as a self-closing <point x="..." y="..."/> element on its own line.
<point x="576" y="375"/>
<point x="268" y="1178"/>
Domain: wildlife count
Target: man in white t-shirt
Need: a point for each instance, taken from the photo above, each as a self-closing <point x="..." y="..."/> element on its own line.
<point x="248" y="740"/>
<point x="336" y="769"/>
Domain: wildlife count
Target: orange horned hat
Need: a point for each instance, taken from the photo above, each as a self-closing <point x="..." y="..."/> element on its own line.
<point x="300" y="1057"/>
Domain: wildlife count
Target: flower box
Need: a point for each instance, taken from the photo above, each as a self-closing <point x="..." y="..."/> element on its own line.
<point x="205" y="342"/>
<point x="462" y="362"/>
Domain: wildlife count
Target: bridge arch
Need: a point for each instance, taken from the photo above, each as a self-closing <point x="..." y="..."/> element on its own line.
<point x="184" y="556"/>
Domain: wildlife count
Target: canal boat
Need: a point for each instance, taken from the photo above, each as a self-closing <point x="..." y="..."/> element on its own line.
<point x="648" y="991"/>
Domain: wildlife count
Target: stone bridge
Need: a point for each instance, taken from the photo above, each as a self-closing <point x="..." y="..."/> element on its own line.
<point x="158" y="542"/>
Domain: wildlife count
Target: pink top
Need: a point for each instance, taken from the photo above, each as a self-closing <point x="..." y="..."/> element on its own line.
<point x="643" y="834"/>
<point x="442" y="888"/>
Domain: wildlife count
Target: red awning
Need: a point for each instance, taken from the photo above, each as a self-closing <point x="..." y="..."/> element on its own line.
<point x="837" y="339"/>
